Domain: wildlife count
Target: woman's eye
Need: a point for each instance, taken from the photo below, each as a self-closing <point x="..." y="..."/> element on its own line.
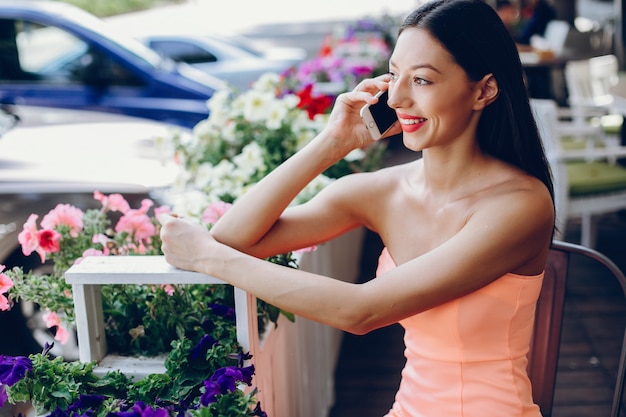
<point x="394" y="77"/>
<point x="420" y="81"/>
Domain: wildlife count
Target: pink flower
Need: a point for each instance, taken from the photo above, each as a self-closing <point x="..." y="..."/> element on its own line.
<point x="64" y="215"/>
<point x="145" y="205"/>
<point x="113" y="202"/>
<point x="103" y="240"/>
<point x="4" y="303"/>
<point x="62" y="335"/>
<point x="5" y="282"/>
<point x="49" y="241"/>
<point x="89" y="252"/>
<point x="215" y="211"/>
<point x="160" y="210"/>
<point x="29" y="236"/>
<point x="5" y="285"/>
<point x="52" y="319"/>
<point x="168" y="288"/>
<point x="137" y="224"/>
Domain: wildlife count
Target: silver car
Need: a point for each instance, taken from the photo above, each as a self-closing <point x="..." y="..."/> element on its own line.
<point x="232" y="59"/>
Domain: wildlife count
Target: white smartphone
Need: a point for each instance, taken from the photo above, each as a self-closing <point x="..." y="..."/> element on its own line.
<point x="379" y="117"/>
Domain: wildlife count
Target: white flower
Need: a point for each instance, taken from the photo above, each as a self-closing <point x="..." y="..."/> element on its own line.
<point x="291" y="101"/>
<point x="277" y="112"/>
<point x="181" y="180"/>
<point x="219" y="100"/>
<point x="314" y="187"/>
<point x="250" y="160"/>
<point x="190" y="203"/>
<point x="229" y="133"/>
<point x="238" y="144"/>
<point x="203" y="128"/>
<point x="267" y="82"/>
<point x="256" y="105"/>
<point x="203" y="176"/>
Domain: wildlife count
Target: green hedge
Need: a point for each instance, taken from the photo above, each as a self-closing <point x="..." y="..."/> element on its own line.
<point x="103" y="8"/>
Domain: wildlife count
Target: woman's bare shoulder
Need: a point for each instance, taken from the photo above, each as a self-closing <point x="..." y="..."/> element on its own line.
<point x="382" y="178"/>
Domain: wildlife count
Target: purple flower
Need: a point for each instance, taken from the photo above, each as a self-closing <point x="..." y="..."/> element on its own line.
<point x="140" y="409"/>
<point x="199" y="351"/>
<point x="221" y="310"/>
<point x="59" y="412"/>
<point x="247" y="372"/>
<point x="228" y="376"/>
<point x="241" y="358"/>
<point x="86" y="402"/>
<point x="47" y="348"/>
<point x="211" y="390"/>
<point x="13" y="368"/>
<point x="224" y="380"/>
<point x="257" y="411"/>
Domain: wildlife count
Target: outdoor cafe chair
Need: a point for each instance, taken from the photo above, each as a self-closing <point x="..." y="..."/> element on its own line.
<point x="544" y="350"/>
<point x="587" y="181"/>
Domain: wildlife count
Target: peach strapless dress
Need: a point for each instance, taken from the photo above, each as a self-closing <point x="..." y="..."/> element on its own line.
<point x="467" y="358"/>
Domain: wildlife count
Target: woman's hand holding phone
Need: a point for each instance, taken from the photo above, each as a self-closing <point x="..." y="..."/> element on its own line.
<point x="379" y="118"/>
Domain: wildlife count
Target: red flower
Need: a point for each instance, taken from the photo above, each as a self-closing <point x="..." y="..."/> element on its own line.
<point x="313" y="105"/>
<point x="327" y="46"/>
<point x="49" y="240"/>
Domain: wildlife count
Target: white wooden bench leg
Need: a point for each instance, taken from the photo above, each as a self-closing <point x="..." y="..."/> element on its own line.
<point x="89" y="322"/>
<point x="247" y="321"/>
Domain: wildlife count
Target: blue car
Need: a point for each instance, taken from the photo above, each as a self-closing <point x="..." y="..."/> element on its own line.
<point x="57" y="55"/>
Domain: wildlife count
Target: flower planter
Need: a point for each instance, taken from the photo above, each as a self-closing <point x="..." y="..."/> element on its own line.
<point x="295" y="362"/>
<point x="86" y="278"/>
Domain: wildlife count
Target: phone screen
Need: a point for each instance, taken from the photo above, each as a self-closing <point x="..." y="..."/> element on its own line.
<point x="383" y="115"/>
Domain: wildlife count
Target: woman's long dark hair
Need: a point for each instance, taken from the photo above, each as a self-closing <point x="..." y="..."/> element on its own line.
<point x="473" y="33"/>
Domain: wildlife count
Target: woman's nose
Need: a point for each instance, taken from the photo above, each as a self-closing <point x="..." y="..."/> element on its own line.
<point x="397" y="96"/>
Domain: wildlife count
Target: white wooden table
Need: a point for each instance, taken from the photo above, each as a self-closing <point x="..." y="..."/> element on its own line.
<point x="94" y="271"/>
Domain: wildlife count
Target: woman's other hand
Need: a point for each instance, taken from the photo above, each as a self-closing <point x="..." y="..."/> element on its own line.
<point x="186" y="244"/>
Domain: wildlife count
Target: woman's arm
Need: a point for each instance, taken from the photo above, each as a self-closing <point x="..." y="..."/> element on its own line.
<point x="506" y="234"/>
<point x="262" y="212"/>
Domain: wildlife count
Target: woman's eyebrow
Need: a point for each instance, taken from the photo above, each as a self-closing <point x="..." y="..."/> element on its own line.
<point x="418" y="66"/>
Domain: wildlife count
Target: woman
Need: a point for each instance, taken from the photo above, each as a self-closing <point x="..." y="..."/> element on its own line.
<point x="466" y="228"/>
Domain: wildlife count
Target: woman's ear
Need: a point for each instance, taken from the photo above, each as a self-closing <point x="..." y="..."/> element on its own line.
<point x="488" y="91"/>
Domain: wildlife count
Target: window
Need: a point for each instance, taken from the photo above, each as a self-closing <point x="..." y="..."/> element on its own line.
<point x="49" y="55"/>
<point x="182" y="52"/>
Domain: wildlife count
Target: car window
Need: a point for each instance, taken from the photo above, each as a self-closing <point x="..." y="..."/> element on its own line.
<point x="182" y="51"/>
<point x="30" y="52"/>
<point x="242" y="43"/>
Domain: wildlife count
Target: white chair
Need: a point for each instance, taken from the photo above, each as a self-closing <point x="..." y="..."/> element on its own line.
<point x="589" y="81"/>
<point x="587" y="184"/>
<point x="589" y="84"/>
<point x="553" y="38"/>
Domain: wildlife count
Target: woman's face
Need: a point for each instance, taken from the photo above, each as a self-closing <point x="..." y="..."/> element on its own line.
<point x="431" y="94"/>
